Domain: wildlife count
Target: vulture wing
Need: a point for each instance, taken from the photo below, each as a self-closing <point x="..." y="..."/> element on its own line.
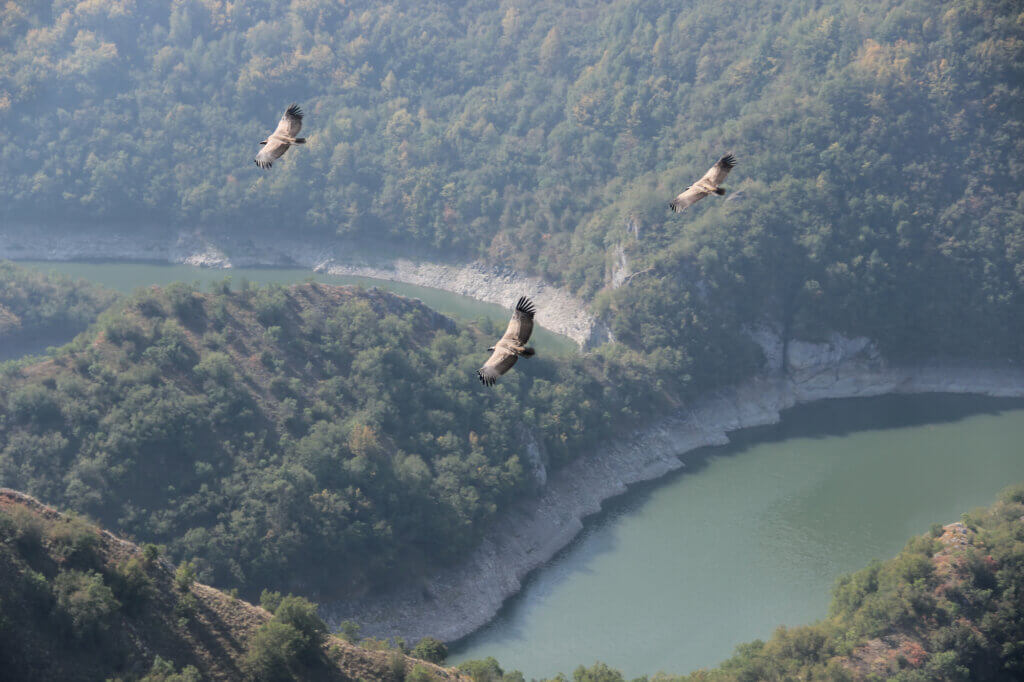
<point x="277" y="144"/>
<point x="521" y="325"/>
<point x="501" y="361"/>
<point x="271" y="152"/>
<point x="291" y="123"/>
<point x="716" y="174"/>
<point x="689" y="197"/>
<point x="506" y="350"/>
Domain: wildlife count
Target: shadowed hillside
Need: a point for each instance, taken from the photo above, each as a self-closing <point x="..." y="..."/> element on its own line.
<point x="77" y="603"/>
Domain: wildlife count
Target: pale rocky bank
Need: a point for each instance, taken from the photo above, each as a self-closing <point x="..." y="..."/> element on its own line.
<point x="458" y="601"/>
<point x="557" y="309"/>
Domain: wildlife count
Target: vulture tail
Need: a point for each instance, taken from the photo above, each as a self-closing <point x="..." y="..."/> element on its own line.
<point x="719" y="191"/>
<point x="528" y="352"/>
<point x="300" y="140"/>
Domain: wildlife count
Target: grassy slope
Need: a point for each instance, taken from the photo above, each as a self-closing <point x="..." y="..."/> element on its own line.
<point x="213" y="639"/>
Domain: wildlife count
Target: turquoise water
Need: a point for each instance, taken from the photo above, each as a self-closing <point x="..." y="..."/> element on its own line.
<point x="126" y="277"/>
<point x="751" y="536"/>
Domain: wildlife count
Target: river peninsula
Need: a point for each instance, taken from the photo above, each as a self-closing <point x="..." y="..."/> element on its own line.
<point x="457" y="601"/>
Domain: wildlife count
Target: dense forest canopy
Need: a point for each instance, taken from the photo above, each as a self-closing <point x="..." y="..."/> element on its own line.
<point x="315" y="438"/>
<point x="878" y="192"/>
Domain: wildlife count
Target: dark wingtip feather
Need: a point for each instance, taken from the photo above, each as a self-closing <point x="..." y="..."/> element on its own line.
<point x="525" y="306"/>
<point x="485" y="380"/>
<point x="294" y="111"/>
<point x="729" y="161"/>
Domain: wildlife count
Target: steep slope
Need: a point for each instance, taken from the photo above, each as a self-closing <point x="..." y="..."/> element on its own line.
<point x="318" y="439"/>
<point x="77" y="603"/>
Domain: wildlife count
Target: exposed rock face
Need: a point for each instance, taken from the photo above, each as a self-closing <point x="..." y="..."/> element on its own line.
<point x="557" y="309"/>
<point x="460" y="600"/>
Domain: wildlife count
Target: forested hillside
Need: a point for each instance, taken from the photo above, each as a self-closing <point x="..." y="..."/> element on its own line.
<point x="35" y="305"/>
<point x="77" y="603"/>
<point x="318" y="439"/>
<point x="878" y="189"/>
<point x="946" y="608"/>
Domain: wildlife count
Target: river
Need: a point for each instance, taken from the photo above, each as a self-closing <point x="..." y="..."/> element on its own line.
<point x="126" y="277"/>
<point x="674" y="574"/>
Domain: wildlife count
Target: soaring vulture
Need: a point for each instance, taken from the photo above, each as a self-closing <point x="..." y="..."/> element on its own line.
<point x="512" y="345"/>
<point x="709" y="184"/>
<point x="277" y="144"/>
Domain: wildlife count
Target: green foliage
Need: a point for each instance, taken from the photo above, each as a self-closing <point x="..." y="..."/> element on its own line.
<point x="37" y="304"/>
<point x="430" y="649"/>
<point x="301" y="614"/>
<point x="270" y="600"/>
<point x="420" y="673"/>
<point x="74" y="541"/>
<point x="875" y="194"/>
<point x="396" y="663"/>
<point x="132" y="585"/>
<point x="365" y="442"/>
<point x="184" y="576"/>
<point x="934" y="612"/>
<point x="163" y="671"/>
<point x="349" y="631"/>
<point x="84" y="602"/>
<point x="275" y="652"/>
<point x="483" y="670"/>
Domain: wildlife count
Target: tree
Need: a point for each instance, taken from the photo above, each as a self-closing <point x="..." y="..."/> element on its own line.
<point x="430" y="649"/>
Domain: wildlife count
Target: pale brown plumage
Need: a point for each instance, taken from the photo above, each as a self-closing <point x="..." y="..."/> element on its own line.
<point x="512" y="345"/>
<point x="282" y="138"/>
<point x="709" y="184"/>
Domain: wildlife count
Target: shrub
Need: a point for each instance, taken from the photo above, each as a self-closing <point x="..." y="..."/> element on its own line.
<point x="74" y="541"/>
<point x="396" y="664"/>
<point x="184" y="576"/>
<point x="430" y="649"/>
<point x="270" y="600"/>
<point x="86" y="604"/>
<point x="132" y="584"/>
<point x="301" y="614"/>
<point x="349" y="631"/>
<point x="273" y="652"/>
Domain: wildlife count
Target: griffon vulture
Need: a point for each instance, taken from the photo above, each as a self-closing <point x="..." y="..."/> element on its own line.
<point x="709" y="184"/>
<point x="512" y="345"/>
<point x="283" y="137"/>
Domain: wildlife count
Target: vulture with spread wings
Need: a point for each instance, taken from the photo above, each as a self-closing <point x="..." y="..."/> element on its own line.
<point x="283" y="137"/>
<point x="512" y="345"/>
<point x="709" y="184"/>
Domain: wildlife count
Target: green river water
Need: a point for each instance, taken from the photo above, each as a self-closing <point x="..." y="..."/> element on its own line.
<point x="672" y="575"/>
<point x="126" y="277"/>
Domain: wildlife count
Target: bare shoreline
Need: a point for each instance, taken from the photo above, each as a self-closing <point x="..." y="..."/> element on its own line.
<point x="557" y="309"/>
<point x="459" y="600"/>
